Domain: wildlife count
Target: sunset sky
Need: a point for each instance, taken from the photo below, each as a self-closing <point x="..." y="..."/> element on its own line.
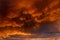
<point x="29" y="18"/>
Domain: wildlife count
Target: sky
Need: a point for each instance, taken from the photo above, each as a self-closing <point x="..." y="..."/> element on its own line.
<point x="29" y="18"/>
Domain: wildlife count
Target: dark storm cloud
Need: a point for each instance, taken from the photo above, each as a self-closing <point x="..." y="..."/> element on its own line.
<point x="45" y="27"/>
<point x="4" y="8"/>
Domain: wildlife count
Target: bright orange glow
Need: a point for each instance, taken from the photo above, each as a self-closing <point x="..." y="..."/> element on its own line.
<point x="6" y="33"/>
